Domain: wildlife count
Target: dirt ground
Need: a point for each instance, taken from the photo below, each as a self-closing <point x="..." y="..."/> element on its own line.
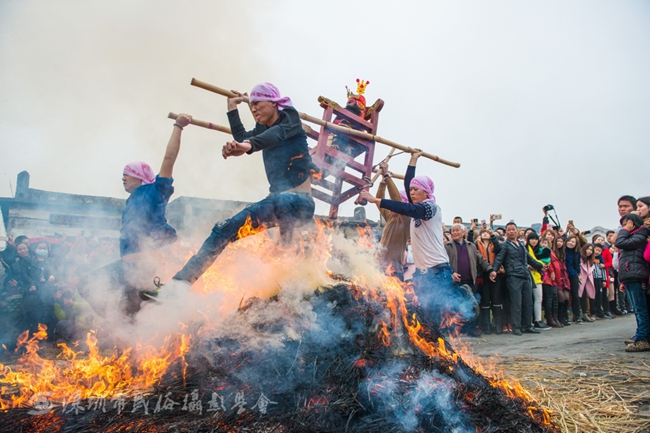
<point x="581" y="373"/>
<point x="595" y="340"/>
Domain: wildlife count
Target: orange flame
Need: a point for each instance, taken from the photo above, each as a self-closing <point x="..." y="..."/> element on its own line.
<point x="396" y="302"/>
<point x="92" y="376"/>
<point x="248" y="230"/>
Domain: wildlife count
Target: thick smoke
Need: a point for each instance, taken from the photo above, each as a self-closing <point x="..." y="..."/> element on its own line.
<point x="96" y="82"/>
<point x="430" y="393"/>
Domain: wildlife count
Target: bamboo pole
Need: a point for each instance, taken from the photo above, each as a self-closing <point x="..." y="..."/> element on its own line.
<point x="393" y="175"/>
<point x="375" y="170"/>
<point x="331" y="126"/>
<point x="376" y="138"/>
<point x="203" y="124"/>
<point x="216" y="127"/>
<point x="215" y="89"/>
<point x="221" y="128"/>
<point x="376" y="176"/>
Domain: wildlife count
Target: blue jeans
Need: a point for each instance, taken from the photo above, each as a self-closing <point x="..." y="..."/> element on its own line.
<point x="437" y="294"/>
<point x="637" y="293"/>
<point x="287" y="210"/>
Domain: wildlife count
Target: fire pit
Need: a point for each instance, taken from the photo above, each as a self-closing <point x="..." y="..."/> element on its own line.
<point x="349" y="356"/>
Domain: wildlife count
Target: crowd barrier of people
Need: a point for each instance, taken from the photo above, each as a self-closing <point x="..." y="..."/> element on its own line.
<point x="563" y="278"/>
<point x="40" y="286"/>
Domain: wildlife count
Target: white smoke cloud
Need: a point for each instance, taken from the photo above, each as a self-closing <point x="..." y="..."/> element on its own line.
<point x="89" y="88"/>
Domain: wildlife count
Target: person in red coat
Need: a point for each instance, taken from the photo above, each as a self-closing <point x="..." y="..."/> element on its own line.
<point x="608" y="299"/>
<point x="562" y="281"/>
<point x="550" y="280"/>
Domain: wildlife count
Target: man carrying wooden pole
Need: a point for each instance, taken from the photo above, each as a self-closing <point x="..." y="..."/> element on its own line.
<point x="333" y="127"/>
<point x="278" y="133"/>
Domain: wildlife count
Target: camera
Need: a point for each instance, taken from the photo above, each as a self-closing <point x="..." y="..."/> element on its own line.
<point x="548" y="207"/>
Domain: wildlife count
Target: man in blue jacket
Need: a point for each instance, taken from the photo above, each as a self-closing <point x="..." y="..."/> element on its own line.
<point x="144" y="228"/>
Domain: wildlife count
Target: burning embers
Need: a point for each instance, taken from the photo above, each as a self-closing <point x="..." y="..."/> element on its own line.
<point x="349" y="356"/>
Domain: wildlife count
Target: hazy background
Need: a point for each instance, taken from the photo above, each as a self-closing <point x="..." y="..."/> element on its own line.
<point x="541" y="102"/>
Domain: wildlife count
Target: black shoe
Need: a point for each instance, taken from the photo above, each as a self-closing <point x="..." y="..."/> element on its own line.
<point x="541" y="326"/>
<point x="151" y="295"/>
<point x="531" y="330"/>
<point x="516" y="332"/>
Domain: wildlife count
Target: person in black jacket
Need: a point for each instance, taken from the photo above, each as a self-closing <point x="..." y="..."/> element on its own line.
<point x="572" y="260"/>
<point x="21" y="275"/>
<point x="9" y="255"/>
<point x="279" y="135"/>
<point x="515" y="259"/>
<point x="491" y="291"/>
<point x="634" y="272"/>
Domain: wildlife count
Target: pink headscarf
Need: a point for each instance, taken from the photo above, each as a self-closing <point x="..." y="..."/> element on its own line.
<point x="268" y="92"/>
<point x="426" y="184"/>
<point x="404" y="196"/>
<point x="140" y="170"/>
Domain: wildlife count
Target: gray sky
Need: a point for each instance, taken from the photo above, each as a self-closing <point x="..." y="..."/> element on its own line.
<point x="541" y="102"/>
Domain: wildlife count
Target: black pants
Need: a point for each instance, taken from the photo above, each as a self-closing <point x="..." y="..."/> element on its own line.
<point x="521" y="301"/>
<point x="286" y="210"/>
<point x="491" y="292"/>
<point x="506" y="299"/>
<point x="550" y="301"/>
<point x="575" y="297"/>
<point x="597" y="309"/>
<point x="117" y="276"/>
<point x="33" y="310"/>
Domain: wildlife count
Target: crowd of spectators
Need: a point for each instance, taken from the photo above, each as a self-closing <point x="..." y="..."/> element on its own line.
<point x="39" y="286"/>
<point x="557" y="277"/>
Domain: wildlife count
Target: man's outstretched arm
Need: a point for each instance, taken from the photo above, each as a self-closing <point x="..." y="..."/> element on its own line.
<point x="174" y="145"/>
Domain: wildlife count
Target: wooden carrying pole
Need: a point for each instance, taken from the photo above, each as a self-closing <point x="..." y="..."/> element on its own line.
<point x="376" y="176"/>
<point x="393" y="175"/>
<point x="203" y="124"/>
<point x="376" y="138"/>
<point x="221" y="128"/>
<point x="332" y="126"/>
<point x="215" y="89"/>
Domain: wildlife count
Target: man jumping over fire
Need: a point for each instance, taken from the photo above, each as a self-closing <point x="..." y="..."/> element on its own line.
<point x="279" y="135"/>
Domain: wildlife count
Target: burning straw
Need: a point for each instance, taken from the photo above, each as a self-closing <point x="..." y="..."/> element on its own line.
<point x="351" y="356"/>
